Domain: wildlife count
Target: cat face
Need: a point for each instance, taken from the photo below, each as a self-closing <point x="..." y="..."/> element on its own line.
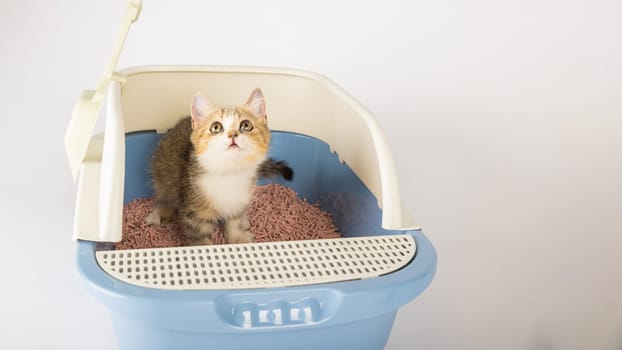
<point x="230" y="139"/>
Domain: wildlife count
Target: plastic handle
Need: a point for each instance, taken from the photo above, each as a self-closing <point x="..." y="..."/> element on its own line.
<point x="131" y="15"/>
<point x="86" y="110"/>
<point x="277" y="313"/>
<point x="274" y="309"/>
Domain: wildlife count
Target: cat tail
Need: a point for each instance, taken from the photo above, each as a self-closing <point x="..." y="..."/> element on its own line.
<point x="271" y="168"/>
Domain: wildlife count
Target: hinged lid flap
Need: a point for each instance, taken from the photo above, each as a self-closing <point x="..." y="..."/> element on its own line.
<point x="86" y="110"/>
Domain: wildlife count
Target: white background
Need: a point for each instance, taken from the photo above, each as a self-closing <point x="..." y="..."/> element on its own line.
<point x="505" y="119"/>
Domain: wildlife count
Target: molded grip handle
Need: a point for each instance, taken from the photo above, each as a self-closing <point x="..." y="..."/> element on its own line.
<point x="284" y="309"/>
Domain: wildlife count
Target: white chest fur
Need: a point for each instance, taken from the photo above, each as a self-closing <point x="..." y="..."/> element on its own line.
<point x="229" y="194"/>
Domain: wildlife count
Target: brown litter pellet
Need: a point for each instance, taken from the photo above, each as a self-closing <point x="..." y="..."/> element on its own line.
<point x="276" y="213"/>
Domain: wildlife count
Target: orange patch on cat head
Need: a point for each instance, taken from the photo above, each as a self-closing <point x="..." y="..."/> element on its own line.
<point x="199" y="143"/>
<point x="200" y="135"/>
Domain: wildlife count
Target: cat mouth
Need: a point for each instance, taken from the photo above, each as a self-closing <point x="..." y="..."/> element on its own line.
<point x="233" y="145"/>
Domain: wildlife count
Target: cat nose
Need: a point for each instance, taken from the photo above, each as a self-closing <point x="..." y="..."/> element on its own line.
<point x="233" y="133"/>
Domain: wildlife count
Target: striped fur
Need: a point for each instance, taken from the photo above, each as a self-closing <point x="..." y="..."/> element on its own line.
<point x="207" y="172"/>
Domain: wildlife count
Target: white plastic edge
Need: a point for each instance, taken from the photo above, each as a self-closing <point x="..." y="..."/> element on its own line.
<point x="86" y="218"/>
<point x="80" y="130"/>
<point x="87" y="212"/>
<point x="393" y="216"/>
<point x="112" y="175"/>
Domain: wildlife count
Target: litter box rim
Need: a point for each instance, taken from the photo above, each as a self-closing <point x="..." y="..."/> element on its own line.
<point x="101" y="173"/>
<point x="349" y="301"/>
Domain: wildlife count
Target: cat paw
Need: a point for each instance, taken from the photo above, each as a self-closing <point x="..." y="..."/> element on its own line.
<point x="241" y="236"/>
<point x="160" y="215"/>
<point x="154" y="218"/>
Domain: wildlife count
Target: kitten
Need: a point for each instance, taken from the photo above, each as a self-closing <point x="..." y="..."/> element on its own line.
<point x="207" y="165"/>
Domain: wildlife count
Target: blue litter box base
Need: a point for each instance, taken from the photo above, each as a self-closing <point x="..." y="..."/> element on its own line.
<point x="356" y="314"/>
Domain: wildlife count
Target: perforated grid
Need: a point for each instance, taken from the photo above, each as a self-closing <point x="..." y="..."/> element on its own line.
<point x="260" y="265"/>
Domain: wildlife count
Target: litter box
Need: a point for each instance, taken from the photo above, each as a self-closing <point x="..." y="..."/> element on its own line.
<point x="339" y="293"/>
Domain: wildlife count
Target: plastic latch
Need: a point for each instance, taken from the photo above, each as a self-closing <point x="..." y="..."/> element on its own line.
<point x="86" y="110"/>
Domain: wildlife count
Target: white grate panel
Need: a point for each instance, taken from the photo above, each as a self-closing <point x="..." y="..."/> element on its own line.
<point x="260" y="265"/>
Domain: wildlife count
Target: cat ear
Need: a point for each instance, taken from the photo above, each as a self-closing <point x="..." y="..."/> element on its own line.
<point x="200" y="108"/>
<point x="257" y="105"/>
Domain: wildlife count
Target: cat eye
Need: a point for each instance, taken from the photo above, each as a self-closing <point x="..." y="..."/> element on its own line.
<point x="216" y="128"/>
<point x="246" y="126"/>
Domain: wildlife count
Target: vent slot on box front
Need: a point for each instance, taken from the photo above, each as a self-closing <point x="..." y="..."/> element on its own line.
<point x="260" y="265"/>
